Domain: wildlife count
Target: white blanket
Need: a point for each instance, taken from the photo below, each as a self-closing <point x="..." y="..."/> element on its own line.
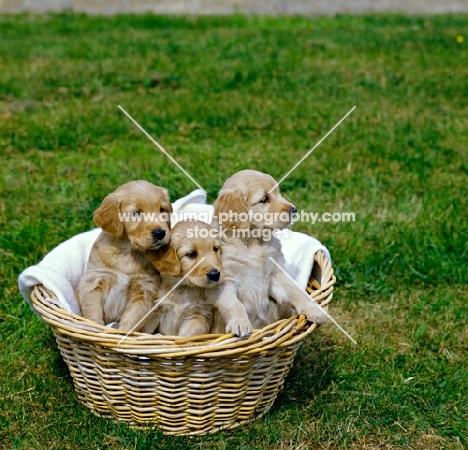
<point x="299" y="251"/>
<point x="61" y="270"/>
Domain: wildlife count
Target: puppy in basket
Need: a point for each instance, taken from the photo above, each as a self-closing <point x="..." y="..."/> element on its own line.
<point x="120" y="284"/>
<point x="191" y="272"/>
<point x="249" y="213"/>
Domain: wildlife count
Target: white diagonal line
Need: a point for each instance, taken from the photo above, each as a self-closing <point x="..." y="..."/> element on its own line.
<point x="162" y="299"/>
<point x="160" y="147"/>
<point x="316" y="304"/>
<point x="311" y="150"/>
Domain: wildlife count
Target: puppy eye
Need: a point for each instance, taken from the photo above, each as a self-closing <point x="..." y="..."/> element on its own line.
<point x="162" y="210"/>
<point x="265" y="199"/>
<point x="137" y="213"/>
<point x="192" y="255"/>
<point x="215" y="249"/>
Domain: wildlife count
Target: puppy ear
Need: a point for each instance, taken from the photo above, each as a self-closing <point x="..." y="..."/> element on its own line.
<point x="228" y="206"/>
<point x="107" y="216"/>
<point x="165" y="260"/>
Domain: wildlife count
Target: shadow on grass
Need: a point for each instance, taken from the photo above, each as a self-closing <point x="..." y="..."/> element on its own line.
<point x="311" y="373"/>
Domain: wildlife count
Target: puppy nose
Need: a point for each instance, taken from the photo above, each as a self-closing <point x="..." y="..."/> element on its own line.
<point x="213" y="275"/>
<point x="158" y="234"/>
<point x="293" y="211"/>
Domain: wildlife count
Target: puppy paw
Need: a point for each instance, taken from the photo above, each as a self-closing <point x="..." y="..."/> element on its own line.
<point x="239" y="327"/>
<point x="314" y="313"/>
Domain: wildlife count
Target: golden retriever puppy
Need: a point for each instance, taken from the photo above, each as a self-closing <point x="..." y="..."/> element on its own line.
<point x="191" y="272"/>
<point x="120" y="284"/>
<point x="249" y="213"/>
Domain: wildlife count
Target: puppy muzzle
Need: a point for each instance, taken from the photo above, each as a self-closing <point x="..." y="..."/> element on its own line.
<point x="213" y="276"/>
<point x="293" y="214"/>
<point x="158" y="235"/>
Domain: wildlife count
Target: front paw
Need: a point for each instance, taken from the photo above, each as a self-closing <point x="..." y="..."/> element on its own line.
<point x="314" y="313"/>
<point x="239" y="327"/>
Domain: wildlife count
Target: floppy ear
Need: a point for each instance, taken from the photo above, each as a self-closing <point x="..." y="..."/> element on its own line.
<point x="107" y="216"/>
<point x="165" y="260"/>
<point x="230" y="204"/>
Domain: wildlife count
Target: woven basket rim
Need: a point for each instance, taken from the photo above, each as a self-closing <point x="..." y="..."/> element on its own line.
<point x="140" y="345"/>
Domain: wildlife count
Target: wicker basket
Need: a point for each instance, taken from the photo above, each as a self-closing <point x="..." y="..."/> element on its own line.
<point x="181" y="385"/>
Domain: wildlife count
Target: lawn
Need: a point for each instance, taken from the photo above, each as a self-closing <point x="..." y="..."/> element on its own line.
<point x="224" y="94"/>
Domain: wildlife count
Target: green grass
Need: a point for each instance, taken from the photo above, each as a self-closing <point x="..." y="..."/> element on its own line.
<point x="224" y="94"/>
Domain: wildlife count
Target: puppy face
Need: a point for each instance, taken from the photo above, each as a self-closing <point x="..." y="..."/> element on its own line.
<point x="247" y="192"/>
<point x="195" y="250"/>
<point x="139" y="211"/>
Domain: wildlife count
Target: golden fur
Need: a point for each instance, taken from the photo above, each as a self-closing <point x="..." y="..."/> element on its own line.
<point x="188" y="309"/>
<point x="251" y="278"/>
<point x="120" y="284"/>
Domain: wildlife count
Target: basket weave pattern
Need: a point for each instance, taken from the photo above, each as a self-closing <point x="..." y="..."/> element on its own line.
<point x="181" y="385"/>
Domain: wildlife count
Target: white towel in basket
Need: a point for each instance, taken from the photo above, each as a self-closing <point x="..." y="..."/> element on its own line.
<point x="299" y="250"/>
<point x="62" y="268"/>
